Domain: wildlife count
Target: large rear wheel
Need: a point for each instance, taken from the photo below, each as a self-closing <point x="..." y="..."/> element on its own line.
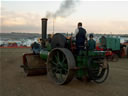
<point x="60" y="65"/>
<point x="98" y="69"/>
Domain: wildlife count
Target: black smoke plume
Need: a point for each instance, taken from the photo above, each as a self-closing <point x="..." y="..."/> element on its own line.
<point x="66" y="8"/>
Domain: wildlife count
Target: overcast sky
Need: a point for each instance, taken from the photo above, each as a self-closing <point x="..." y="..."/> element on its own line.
<point x="97" y="16"/>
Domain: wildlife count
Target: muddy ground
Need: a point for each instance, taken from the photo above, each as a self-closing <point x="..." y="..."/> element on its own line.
<point x="14" y="82"/>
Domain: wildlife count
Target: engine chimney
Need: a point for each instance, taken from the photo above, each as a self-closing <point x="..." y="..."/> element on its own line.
<point x="44" y="30"/>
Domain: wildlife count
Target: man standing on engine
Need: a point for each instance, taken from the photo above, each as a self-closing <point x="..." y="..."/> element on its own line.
<point x="80" y="35"/>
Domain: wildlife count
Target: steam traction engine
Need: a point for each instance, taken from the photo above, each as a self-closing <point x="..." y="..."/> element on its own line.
<point x="58" y="58"/>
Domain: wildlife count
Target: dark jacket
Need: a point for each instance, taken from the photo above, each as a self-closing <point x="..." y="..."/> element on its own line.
<point x="80" y="37"/>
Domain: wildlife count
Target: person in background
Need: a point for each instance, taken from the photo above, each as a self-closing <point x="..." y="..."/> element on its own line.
<point x="80" y="36"/>
<point x="36" y="47"/>
<point x="91" y="43"/>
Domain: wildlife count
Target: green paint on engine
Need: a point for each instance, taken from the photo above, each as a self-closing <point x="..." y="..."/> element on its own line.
<point x="48" y="46"/>
<point x="82" y="61"/>
<point x="44" y="54"/>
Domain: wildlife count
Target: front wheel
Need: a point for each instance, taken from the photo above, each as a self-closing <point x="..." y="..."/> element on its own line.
<point x="60" y="65"/>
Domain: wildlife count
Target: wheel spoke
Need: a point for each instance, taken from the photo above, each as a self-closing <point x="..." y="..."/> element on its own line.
<point x="57" y="70"/>
<point x="61" y="77"/>
<point x="57" y="57"/>
<point x="65" y="66"/>
<point x="54" y="63"/>
<point x="63" y="59"/>
<point x="65" y="70"/>
<point x="53" y="70"/>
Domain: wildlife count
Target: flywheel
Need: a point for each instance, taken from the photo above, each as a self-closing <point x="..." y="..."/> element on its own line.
<point x="60" y="65"/>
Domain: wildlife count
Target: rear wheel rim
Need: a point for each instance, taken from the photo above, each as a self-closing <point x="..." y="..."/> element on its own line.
<point x="99" y="74"/>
